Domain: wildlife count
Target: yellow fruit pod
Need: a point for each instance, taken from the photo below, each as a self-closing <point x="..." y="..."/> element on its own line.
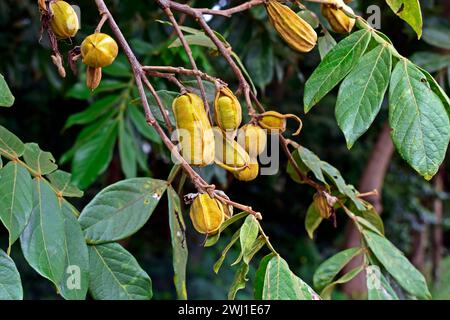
<point x="250" y="173"/>
<point x="99" y="50"/>
<point x="206" y="214"/>
<point x="194" y="130"/>
<point x="321" y="204"/>
<point x="275" y="122"/>
<point x="227" y="110"/>
<point x="64" y="21"/>
<point x="229" y="154"/>
<point x="339" y="21"/>
<point x="295" y="31"/>
<point x="253" y="138"/>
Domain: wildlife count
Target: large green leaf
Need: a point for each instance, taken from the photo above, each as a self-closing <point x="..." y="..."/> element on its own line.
<point x="431" y="61"/>
<point x="114" y="274"/>
<point x="16" y="200"/>
<point x="43" y="241"/>
<point x="248" y="234"/>
<point x="61" y="182"/>
<point x="225" y="250"/>
<point x="259" y="61"/>
<point x="329" y="269"/>
<point x="39" y="161"/>
<point x="326" y="292"/>
<point x="141" y="124"/>
<point x="10" y="145"/>
<point x="239" y="281"/>
<point x="437" y="35"/>
<point x="258" y="284"/>
<point x="74" y="284"/>
<point x="420" y="124"/>
<point x="92" y="157"/>
<point x="408" y="10"/>
<point x="437" y="89"/>
<point x="10" y="283"/>
<point x="397" y="265"/>
<point x="311" y="161"/>
<point x="334" y="67"/>
<point x="281" y="284"/>
<point x="312" y="220"/>
<point x="6" y="97"/>
<point x="179" y="245"/>
<point x="121" y="209"/>
<point x="362" y="92"/>
<point x="127" y="151"/>
<point x="378" y="287"/>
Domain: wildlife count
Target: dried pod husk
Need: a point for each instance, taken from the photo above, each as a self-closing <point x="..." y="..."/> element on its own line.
<point x="321" y="204"/>
<point x="227" y="209"/>
<point x="64" y="21"/>
<point x="206" y="214"/>
<point x="250" y="173"/>
<point x="339" y="21"/>
<point x="297" y="33"/>
<point x="227" y="110"/>
<point x="93" y="77"/>
<point x="253" y="138"/>
<point x="275" y="122"/>
<point x="229" y="154"/>
<point x="99" y="50"/>
<point x="194" y="130"/>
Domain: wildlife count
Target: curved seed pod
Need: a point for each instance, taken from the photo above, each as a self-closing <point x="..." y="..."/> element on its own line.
<point x="206" y="214"/>
<point x="339" y="21"/>
<point x="321" y="204"/>
<point x="297" y="33"/>
<point x="227" y="110"/>
<point x="64" y="22"/>
<point x="275" y="121"/>
<point x="250" y="173"/>
<point x="194" y="130"/>
<point x="253" y="138"/>
<point x="229" y="154"/>
<point x="93" y="77"/>
<point x="99" y="50"/>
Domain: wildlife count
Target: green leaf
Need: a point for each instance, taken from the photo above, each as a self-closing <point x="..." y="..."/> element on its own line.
<point x="325" y="44"/>
<point x="248" y="234"/>
<point x="179" y="245"/>
<point x="41" y="162"/>
<point x="74" y="284"/>
<point x="61" y="181"/>
<point x="334" y="67"/>
<point x="114" y="274"/>
<point x="431" y="61"/>
<point x="361" y="93"/>
<point x="239" y="281"/>
<point x="408" y="10"/>
<point x="141" y="124"/>
<point x="419" y="122"/>
<point x="281" y="284"/>
<point x="330" y="268"/>
<point x="437" y="89"/>
<point x="343" y="187"/>
<point x="10" y="145"/>
<point x="92" y="157"/>
<point x="42" y="241"/>
<point x="167" y="98"/>
<point x="302" y="167"/>
<point x="258" y="283"/>
<point x="127" y="151"/>
<point x="371" y="216"/>
<point x="378" y="287"/>
<point x="259" y="61"/>
<point x="437" y="35"/>
<point x="227" y="248"/>
<point x="121" y="209"/>
<point x="397" y="265"/>
<point x="312" y="220"/>
<point x="16" y="202"/>
<point x="95" y="110"/>
<point x="326" y="292"/>
<point x="10" y="283"/>
<point x="212" y="240"/>
<point x="311" y="161"/>
<point x="199" y="39"/>
<point x="6" y="97"/>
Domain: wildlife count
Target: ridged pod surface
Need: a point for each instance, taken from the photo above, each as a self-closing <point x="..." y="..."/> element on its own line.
<point x="250" y="173"/>
<point x="99" y="50"/>
<point x="206" y="214"/>
<point x="64" y="22"/>
<point x="253" y="138"/>
<point x="276" y="122"/>
<point x="297" y="33"/>
<point x="229" y="154"/>
<point x="339" y="21"/>
<point x="321" y="204"/>
<point x="194" y="130"/>
<point x="227" y="110"/>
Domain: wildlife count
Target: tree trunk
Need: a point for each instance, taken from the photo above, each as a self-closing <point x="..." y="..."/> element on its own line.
<point x="437" y="235"/>
<point x="372" y="178"/>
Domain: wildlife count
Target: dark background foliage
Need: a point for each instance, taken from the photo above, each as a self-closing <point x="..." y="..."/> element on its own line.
<point x="44" y="101"/>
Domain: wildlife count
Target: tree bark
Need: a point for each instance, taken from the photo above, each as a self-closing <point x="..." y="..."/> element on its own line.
<point x="438" y="235"/>
<point x="372" y="178"/>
